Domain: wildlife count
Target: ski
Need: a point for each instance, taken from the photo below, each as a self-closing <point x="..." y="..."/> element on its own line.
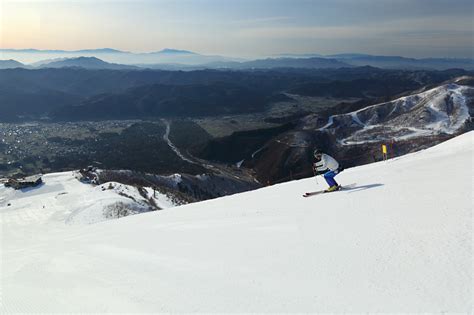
<point x="314" y="193"/>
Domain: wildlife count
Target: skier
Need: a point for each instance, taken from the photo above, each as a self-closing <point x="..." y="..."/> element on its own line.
<point x="327" y="166"/>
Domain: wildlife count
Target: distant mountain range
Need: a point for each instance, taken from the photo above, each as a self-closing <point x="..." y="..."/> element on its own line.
<point x="271" y="63"/>
<point x="346" y="61"/>
<point x="165" y="56"/>
<point x="397" y="62"/>
<point x="175" y="59"/>
<point x="96" y="63"/>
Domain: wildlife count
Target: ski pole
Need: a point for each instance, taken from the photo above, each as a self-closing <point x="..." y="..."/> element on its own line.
<point x="315" y="176"/>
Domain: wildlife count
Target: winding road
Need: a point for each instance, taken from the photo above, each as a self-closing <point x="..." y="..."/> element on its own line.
<point x="172" y="146"/>
<point x="214" y="168"/>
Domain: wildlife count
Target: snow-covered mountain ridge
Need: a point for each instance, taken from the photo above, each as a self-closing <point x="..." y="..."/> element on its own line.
<point x="399" y="241"/>
<point x="444" y="109"/>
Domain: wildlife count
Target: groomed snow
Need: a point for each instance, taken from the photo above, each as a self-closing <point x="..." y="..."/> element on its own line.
<point x="62" y="199"/>
<point x="399" y="241"/>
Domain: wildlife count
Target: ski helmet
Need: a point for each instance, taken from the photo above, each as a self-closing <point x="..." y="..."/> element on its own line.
<point x="317" y="153"/>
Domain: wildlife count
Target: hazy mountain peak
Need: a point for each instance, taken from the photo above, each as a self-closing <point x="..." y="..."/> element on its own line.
<point x="103" y="51"/>
<point x="78" y="60"/>
<point x="175" y="51"/>
<point x="84" y="62"/>
<point x="10" y="63"/>
<point x="295" y="55"/>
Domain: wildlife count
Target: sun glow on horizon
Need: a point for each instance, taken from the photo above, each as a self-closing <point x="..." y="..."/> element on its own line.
<point x="242" y="28"/>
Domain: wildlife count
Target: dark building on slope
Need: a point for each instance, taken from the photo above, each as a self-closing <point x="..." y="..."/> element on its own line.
<point x="20" y="183"/>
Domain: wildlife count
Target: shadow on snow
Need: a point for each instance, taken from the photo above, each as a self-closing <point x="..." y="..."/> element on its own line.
<point x="359" y="188"/>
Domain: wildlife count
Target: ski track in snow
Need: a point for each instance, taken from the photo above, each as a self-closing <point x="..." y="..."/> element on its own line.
<point x="357" y="120"/>
<point x="329" y="123"/>
<point x="398" y="242"/>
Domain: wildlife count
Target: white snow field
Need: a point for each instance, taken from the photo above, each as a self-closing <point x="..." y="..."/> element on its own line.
<point x="399" y="241"/>
<point x="64" y="199"/>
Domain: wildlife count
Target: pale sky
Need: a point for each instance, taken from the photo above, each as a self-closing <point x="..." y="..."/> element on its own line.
<point x="412" y="28"/>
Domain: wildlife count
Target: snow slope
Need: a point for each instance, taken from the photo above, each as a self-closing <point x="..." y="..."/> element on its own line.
<point x="63" y="199"/>
<point x="399" y="241"/>
<point x="444" y="109"/>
